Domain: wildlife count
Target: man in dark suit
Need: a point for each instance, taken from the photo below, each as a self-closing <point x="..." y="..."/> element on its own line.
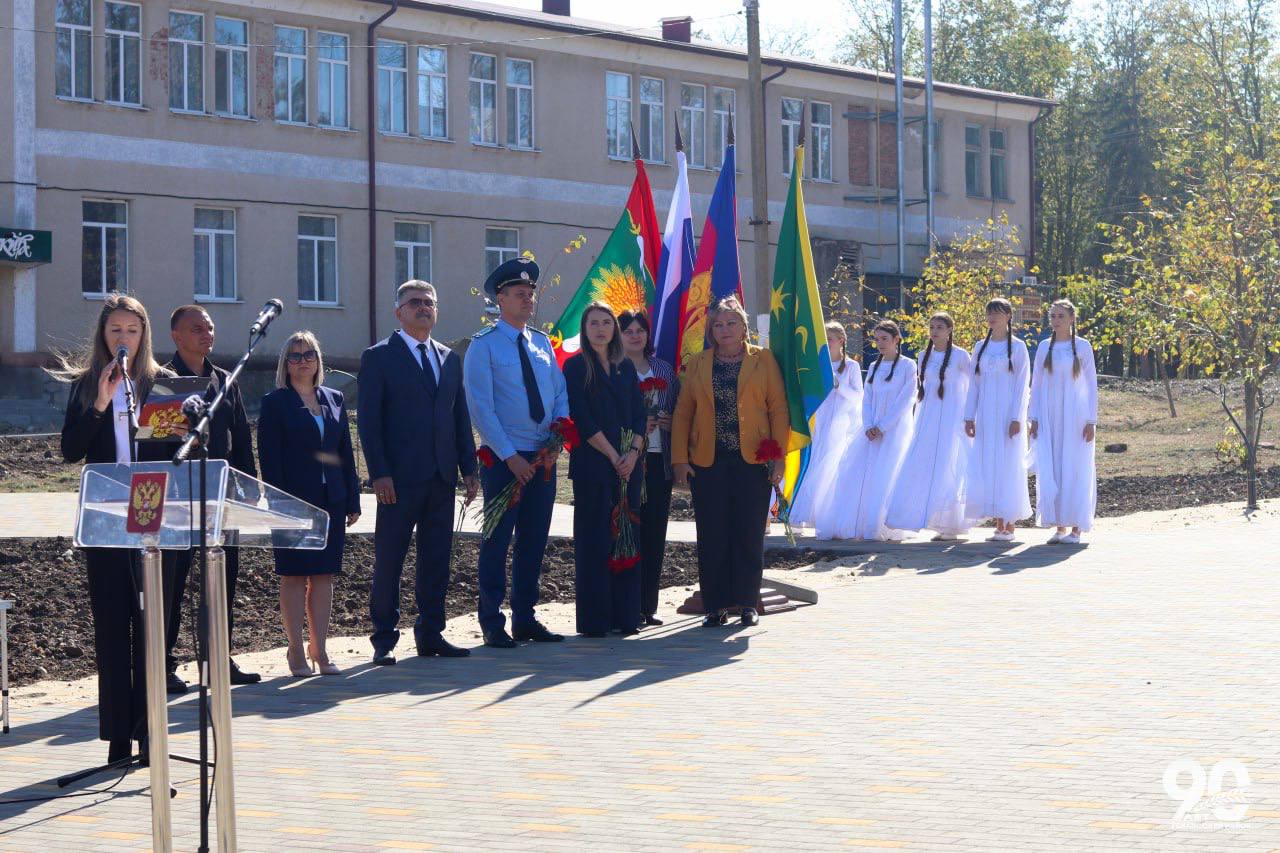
<point x="230" y="438"/>
<point x="416" y="434"/>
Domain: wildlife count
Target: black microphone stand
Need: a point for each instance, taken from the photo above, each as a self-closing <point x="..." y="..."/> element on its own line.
<point x="198" y="439"/>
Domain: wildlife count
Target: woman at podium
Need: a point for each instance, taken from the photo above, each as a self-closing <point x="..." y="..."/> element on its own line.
<point x="304" y="448"/>
<point x="97" y="429"/>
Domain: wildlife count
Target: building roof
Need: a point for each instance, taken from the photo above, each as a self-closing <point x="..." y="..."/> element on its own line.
<point x="652" y="36"/>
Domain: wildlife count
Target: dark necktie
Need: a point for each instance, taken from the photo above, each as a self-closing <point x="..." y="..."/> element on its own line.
<point x="426" y="367"/>
<point x="536" y="411"/>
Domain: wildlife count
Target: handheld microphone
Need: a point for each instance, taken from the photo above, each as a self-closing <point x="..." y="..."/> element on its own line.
<point x="269" y="312"/>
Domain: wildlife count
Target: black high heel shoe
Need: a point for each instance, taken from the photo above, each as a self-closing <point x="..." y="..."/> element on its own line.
<point x="715" y="620"/>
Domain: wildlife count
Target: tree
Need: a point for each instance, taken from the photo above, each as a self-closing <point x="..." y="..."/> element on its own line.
<point x="795" y="40"/>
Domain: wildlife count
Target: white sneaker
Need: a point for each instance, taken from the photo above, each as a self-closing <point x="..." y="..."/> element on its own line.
<point x="946" y="537"/>
<point x="1055" y="538"/>
<point x="1002" y="537"/>
<point x="1070" y="539"/>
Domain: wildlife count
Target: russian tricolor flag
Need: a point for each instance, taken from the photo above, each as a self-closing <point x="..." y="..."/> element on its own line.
<point x="675" y="267"/>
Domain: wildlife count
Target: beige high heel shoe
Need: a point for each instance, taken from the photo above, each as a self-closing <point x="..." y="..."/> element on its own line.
<point x="304" y="671"/>
<point x="326" y="666"/>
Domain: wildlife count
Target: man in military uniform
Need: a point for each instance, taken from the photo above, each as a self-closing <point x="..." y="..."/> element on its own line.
<point x="515" y="390"/>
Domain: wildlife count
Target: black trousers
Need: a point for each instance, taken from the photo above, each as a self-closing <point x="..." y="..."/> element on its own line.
<point x="604" y="600"/>
<point x="730" y="504"/>
<point x="653" y="531"/>
<point x="177" y="568"/>
<point x="429" y="508"/>
<point x="118" y="640"/>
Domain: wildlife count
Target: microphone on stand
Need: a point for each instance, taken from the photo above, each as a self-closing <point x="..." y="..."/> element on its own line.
<point x="122" y="362"/>
<point x="269" y="312"/>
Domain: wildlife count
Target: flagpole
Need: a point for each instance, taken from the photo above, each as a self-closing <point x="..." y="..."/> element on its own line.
<point x="759" y="161"/>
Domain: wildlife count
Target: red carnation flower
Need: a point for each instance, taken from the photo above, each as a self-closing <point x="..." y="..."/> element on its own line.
<point x="568" y="432"/>
<point x="653" y="384"/>
<point x="769" y="451"/>
<point x="486" y="457"/>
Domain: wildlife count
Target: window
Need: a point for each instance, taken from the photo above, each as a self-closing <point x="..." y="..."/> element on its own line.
<point x="693" y="122"/>
<point x="617" y="88"/>
<point x="215" y="253"/>
<point x="933" y="163"/>
<point x="500" y="245"/>
<point x="231" y="67"/>
<point x="186" y="62"/>
<point x="318" y="259"/>
<point x="124" y="53"/>
<point x="652" y="123"/>
<point x="792" y="113"/>
<point x="74" y="72"/>
<point x="291" y="75"/>
<point x="819" y="141"/>
<point x="332" y="71"/>
<point x="973" y="159"/>
<point x="999" y="182"/>
<point x="104" y="259"/>
<point x="483" y="97"/>
<point x="393" y="77"/>
<point x="433" y="93"/>
<point x="413" y="252"/>
<point x="723" y="109"/>
<point x="520" y="103"/>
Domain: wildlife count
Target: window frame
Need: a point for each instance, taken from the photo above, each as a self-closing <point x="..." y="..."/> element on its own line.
<point x="212" y="234"/>
<point x="975" y="152"/>
<point x="475" y="111"/>
<point x="721" y="120"/>
<point x="501" y="250"/>
<point x="695" y="139"/>
<point x="75" y="32"/>
<point x="115" y="40"/>
<point x="430" y="77"/>
<point x="186" y="45"/>
<point x="325" y="68"/>
<point x="790" y="132"/>
<point x="816" y="130"/>
<point x="230" y="51"/>
<point x="103" y="227"/>
<point x="409" y="246"/>
<point x="622" y="134"/>
<point x="649" y="128"/>
<point x="391" y="71"/>
<point x="290" y="60"/>
<point x="998" y="155"/>
<point x="514" y="89"/>
<point x="315" y="240"/>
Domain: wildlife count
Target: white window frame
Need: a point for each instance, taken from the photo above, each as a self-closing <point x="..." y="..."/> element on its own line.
<point x="77" y="34"/>
<point x="187" y="46"/>
<point x="500" y="251"/>
<point x="230" y="51"/>
<point x="819" y="133"/>
<point x="409" y="247"/>
<point x="211" y="235"/>
<point x="721" y="120"/>
<point x="695" y="134"/>
<point x="976" y="152"/>
<point x="998" y="155"/>
<point x="315" y="240"/>
<point x="326" y="69"/>
<point x="513" y="105"/>
<point x="116" y="40"/>
<point x="620" y="125"/>
<point x="790" y="132"/>
<point x="427" y="82"/>
<point x="476" y="88"/>
<point x="292" y="62"/>
<point x="388" y="76"/>
<point x="103" y="227"/>
<point x="653" y="121"/>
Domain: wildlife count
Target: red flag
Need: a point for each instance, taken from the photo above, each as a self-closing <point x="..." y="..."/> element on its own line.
<point x="643" y="214"/>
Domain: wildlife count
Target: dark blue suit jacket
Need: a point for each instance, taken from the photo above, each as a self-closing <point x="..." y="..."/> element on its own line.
<point x="611" y="403"/>
<point x="292" y="454"/>
<point x="408" y="432"/>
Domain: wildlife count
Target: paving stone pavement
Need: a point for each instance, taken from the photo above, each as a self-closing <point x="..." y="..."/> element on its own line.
<point x="948" y="698"/>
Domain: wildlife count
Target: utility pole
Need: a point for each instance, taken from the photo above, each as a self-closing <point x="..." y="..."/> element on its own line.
<point x="759" y="166"/>
<point x="929" y="142"/>
<point x="898" y="107"/>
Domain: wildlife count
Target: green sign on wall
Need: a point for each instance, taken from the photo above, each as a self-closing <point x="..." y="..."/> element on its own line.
<point x="23" y="246"/>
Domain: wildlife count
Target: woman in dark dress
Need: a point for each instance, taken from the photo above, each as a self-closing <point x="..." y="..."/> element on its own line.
<point x="97" y="429"/>
<point x="304" y="448"/>
<point x="604" y="400"/>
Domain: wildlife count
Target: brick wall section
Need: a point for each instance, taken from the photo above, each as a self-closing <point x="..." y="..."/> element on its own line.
<point x="859" y="148"/>
<point x="886" y="155"/>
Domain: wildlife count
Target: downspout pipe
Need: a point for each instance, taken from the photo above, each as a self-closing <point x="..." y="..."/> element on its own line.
<point x="1032" y="194"/>
<point x="371" y="137"/>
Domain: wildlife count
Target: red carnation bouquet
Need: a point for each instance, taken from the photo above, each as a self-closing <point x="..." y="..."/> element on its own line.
<point x="564" y="433"/>
<point x="625" y="553"/>
<point x="769" y="454"/>
<point x="651" y="388"/>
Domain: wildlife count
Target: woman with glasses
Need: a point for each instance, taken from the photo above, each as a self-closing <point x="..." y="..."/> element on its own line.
<point x="304" y="448"/>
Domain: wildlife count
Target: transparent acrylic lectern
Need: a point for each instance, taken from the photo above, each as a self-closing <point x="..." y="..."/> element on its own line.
<point x="240" y="511"/>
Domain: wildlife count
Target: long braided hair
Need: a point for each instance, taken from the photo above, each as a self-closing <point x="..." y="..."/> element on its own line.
<point x="836" y="329"/>
<point x="1070" y="308"/>
<point x="1003" y="306"/>
<point x="944" y="317"/>
<point x="892" y="328"/>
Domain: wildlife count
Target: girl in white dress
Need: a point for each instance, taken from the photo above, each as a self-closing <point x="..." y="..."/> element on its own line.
<point x="930" y="488"/>
<point x="837" y="418"/>
<point x="869" y="467"/>
<point x="1064" y="418"/>
<point x="996" y="477"/>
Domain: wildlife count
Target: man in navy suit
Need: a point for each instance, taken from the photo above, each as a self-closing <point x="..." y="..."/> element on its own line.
<point x="416" y="434"/>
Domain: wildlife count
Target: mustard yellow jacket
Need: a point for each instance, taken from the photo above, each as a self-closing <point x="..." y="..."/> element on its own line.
<point x="762" y="408"/>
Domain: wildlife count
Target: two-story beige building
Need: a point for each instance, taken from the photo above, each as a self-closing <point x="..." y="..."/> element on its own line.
<point x="229" y="152"/>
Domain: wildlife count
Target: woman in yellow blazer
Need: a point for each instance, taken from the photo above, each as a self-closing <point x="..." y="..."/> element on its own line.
<point x="731" y="401"/>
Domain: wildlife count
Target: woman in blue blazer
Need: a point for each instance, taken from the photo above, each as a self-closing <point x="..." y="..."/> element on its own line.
<point x="604" y="399"/>
<point x="304" y="448"/>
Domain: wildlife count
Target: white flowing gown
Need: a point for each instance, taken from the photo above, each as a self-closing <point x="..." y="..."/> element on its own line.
<point x="839" y="416"/>
<point x="868" y="469"/>
<point x="1061" y="405"/>
<point x="996" y="477"/>
<point x="930" y="488"/>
